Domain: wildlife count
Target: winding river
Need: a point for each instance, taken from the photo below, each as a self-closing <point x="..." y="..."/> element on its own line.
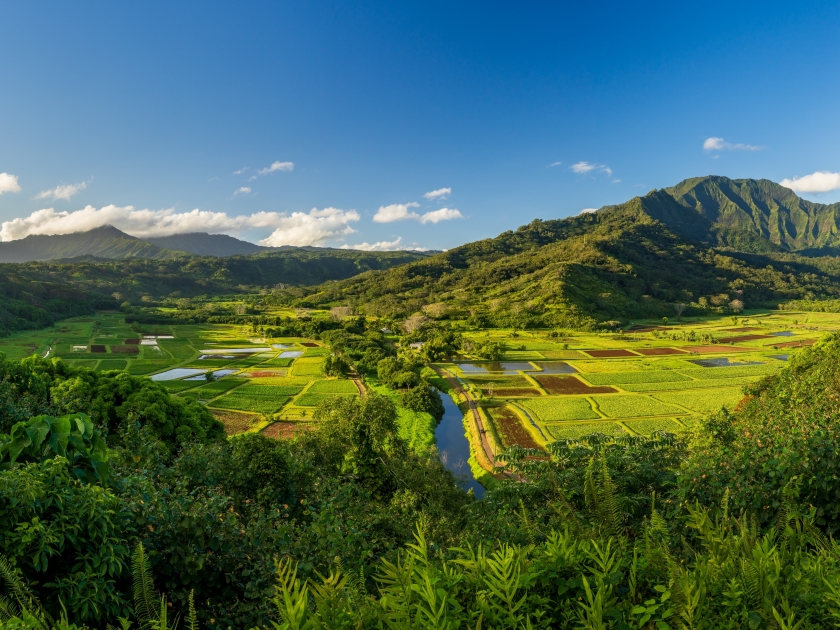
<point x="454" y="447"/>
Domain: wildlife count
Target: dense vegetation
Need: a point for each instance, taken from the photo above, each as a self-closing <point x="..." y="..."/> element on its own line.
<point x="727" y="528"/>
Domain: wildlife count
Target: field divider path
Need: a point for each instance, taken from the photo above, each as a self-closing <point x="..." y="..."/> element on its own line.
<point x="596" y="408"/>
<point x="522" y="411"/>
<point x="535" y="383"/>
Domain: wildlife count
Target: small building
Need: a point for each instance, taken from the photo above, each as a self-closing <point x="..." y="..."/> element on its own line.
<point x="386" y="331"/>
<point x="417" y="345"/>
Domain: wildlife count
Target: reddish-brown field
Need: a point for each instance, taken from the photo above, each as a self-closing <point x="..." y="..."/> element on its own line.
<point x="569" y="385"/>
<point x="266" y="373"/>
<point x="510" y="428"/>
<point x="124" y="349"/>
<point x="795" y="344"/>
<point x="98" y="348"/>
<point x="610" y="354"/>
<point x="234" y="422"/>
<point x="132" y="342"/>
<point x="742" y="329"/>
<point x="285" y="430"/>
<point x="744" y="338"/>
<point x="714" y="349"/>
<point x="309" y="344"/>
<point x="656" y="352"/>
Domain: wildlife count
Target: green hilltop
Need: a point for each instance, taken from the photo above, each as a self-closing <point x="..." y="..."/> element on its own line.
<point x="711" y="238"/>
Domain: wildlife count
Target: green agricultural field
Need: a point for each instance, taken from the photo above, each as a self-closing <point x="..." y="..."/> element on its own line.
<point x="215" y="388"/>
<point x="633" y="405"/>
<point x="574" y="431"/>
<point x="307" y="367"/>
<point x="554" y="409"/>
<point x="734" y="372"/>
<point x="333" y="386"/>
<point x="649" y="425"/>
<point x="619" y="378"/>
<point x="701" y="384"/>
<point x="313" y="400"/>
<point x="111" y="364"/>
<point x="704" y="401"/>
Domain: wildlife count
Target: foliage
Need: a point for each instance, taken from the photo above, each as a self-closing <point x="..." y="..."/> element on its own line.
<point x="423" y="398"/>
<point x="72" y="437"/>
<point x="335" y="366"/>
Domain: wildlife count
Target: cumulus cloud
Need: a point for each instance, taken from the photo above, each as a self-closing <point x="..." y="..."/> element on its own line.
<point x="241" y="170"/>
<point x="8" y="183"/>
<point x="444" y="214"/>
<point x="440" y="193"/>
<point x="384" y="246"/>
<point x="402" y="212"/>
<point x="818" y="182"/>
<point x="396" y="212"/>
<point x="242" y="190"/>
<point x="719" y="144"/>
<point x="582" y="168"/>
<point x="588" y="210"/>
<point x="277" y="166"/>
<point x="554" y="164"/>
<point x="61" y="192"/>
<point x="298" y="228"/>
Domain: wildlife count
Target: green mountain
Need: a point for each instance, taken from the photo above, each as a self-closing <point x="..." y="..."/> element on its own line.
<point x="631" y="260"/>
<point x="204" y="244"/>
<point x="102" y="242"/>
<point x="749" y="214"/>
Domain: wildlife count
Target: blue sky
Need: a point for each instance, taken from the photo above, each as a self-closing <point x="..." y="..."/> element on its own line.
<point x="140" y="114"/>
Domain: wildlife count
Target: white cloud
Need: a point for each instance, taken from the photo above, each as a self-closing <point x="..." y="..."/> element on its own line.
<point x="440" y="193"/>
<point x="298" y="228"/>
<point x="8" y="183"/>
<point x="61" y="192"/>
<point x="241" y="170"/>
<point x="819" y="182"/>
<point x="396" y="212"/>
<point x="243" y="190"/>
<point x="277" y="166"/>
<point x="588" y="210"/>
<point x="384" y="246"/>
<point x="719" y="144"/>
<point x="401" y="212"/>
<point x="314" y="228"/>
<point x="554" y="164"/>
<point x="444" y="214"/>
<point x="616" y="181"/>
<point x="582" y="168"/>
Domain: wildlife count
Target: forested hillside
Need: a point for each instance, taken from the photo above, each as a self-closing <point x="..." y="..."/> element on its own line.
<point x="631" y="260"/>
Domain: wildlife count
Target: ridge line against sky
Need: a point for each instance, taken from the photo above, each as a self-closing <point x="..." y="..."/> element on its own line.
<point x="380" y="126"/>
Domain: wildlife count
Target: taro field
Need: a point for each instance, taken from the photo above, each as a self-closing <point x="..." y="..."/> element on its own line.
<point x="645" y="378"/>
<point x="248" y="383"/>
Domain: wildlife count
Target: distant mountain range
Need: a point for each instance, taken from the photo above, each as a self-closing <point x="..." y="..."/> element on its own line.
<point x="109" y="242"/>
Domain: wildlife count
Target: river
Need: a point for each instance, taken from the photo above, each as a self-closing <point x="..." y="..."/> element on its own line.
<point x="454" y="447"/>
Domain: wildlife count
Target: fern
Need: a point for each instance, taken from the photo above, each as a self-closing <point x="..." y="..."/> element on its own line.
<point x="22" y="600"/>
<point x="145" y="596"/>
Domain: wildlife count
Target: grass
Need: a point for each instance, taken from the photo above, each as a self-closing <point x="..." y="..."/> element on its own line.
<point x="246" y="401"/>
<point x="307" y="367"/>
<point x="138" y="368"/>
<point x="734" y="372"/>
<point x="704" y="401"/>
<point x="704" y="384"/>
<point x="333" y="387"/>
<point x="551" y="409"/>
<point x="216" y="388"/>
<point x="633" y="405"/>
<point x="177" y="386"/>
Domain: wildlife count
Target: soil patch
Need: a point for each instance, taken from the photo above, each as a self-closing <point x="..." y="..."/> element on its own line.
<point x="234" y="422"/>
<point x="645" y="328"/>
<point x="610" y="354"/>
<point x="713" y="349"/>
<point x="98" y="348"/>
<point x="744" y="338"/>
<point x="510" y="428"/>
<point x="309" y="344"/>
<point x="795" y="344"/>
<point x="132" y="342"/>
<point x="266" y="374"/>
<point x="570" y="385"/>
<point x="285" y="430"/>
<point x="123" y="349"/>
<point x="655" y="352"/>
<point x="742" y="329"/>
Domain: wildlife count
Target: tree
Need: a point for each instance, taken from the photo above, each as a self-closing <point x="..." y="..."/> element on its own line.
<point x="338" y="313"/>
<point x="415" y="322"/>
<point x="335" y="366"/>
<point x="425" y="399"/>
<point x="679" y="307"/>
<point x="436" y="310"/>
<point x="736" y="305"/>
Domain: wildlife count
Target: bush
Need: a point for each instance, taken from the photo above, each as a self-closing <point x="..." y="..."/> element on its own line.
<point x="423" y="398"/>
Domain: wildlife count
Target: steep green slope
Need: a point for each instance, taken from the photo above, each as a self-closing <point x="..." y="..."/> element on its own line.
<point x="103" y="242"/>
<point x="204" y="244"/>
<point x="743" y="212"/>
<point x="621" y="262"/>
